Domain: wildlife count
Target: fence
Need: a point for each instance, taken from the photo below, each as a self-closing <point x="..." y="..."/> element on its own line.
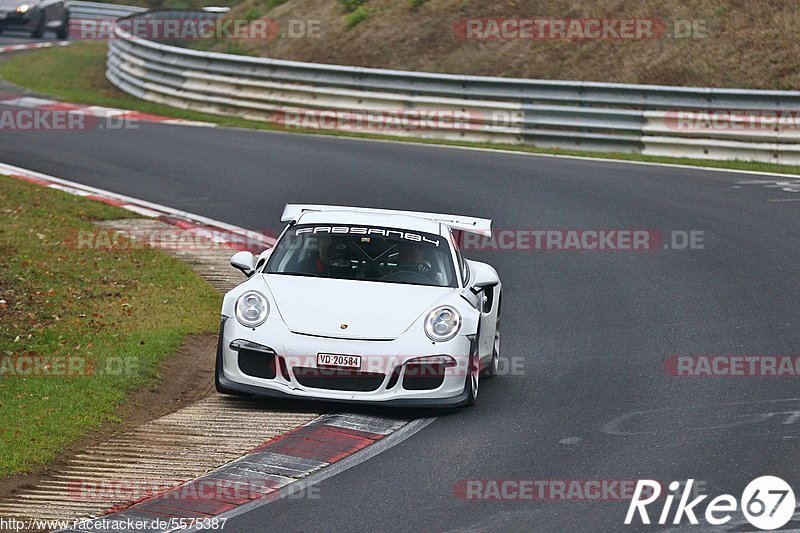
<point x="96" y="10"/>
<point x="650" y="119"/>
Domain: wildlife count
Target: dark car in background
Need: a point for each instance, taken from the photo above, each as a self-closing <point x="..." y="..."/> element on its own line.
<point x="35" y="16"/>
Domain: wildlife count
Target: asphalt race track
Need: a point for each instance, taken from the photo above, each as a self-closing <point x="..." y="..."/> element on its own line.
<point x="589" y="330"/>
<point x="21" y="37"/>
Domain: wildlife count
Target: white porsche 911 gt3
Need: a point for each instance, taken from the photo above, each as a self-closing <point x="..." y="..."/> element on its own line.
<point x="362" y="305"/>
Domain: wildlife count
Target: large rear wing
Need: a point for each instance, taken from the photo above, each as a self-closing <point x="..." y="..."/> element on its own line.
<point x="481" y="226"/>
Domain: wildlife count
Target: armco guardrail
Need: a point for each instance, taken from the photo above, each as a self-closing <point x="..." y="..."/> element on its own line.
<point x="558" y="114"/>
<point x="96" y="10"/>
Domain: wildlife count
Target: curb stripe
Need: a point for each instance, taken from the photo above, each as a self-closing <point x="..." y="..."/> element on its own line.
<point x="16" y="47"/>
<point x="322" y="443"/>
<point x="234" y="237"/>
<point x="32" y="102"/>
<point x="401" y="433"/>
<point x="275" y="466"/>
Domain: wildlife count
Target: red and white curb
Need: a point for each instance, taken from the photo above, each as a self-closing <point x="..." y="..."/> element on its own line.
<point x="235" y="237"/>
<point x="100" y="112"/>
<point x="261" y="476"/>
<point x="280" y="466"/>
<point x="32" y="46"/>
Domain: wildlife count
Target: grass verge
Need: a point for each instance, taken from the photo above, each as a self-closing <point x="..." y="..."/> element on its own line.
<point x="80" y="328"/>
<point x="54" y="72"/>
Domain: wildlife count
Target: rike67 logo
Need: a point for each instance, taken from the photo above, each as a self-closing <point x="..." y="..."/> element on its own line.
<point x="767" y="503"/>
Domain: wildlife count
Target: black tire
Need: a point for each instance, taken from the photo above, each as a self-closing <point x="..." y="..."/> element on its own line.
<point x="473" y="378"/>
<point x="38" y="30"/>
<point x="491" y="369"/>
<point x="63" y="31"/>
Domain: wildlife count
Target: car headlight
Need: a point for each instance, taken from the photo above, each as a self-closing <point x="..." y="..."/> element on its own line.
<point x="23" y="8"/>
<point x="443" y="323"/>
<point x="251" y="309"/>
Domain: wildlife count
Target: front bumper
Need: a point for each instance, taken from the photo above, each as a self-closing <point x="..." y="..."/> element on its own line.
<point x="18" y="21"/>
<point x="289" y="369"/>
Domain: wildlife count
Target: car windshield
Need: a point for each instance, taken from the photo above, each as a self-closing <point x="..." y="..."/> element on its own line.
<point x="365" y="253"/>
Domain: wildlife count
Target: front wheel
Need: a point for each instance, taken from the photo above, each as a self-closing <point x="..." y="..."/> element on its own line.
<point x="494" y="364"/>
<point x="473" y="379"/>
<point x="38" y="30"/>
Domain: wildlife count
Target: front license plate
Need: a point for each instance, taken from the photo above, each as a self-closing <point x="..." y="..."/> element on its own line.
<point x="339" y="361"/>
<point x="3" y="15"/>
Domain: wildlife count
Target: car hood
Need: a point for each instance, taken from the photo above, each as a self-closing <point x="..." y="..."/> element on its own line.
<point x="371" y="310"/>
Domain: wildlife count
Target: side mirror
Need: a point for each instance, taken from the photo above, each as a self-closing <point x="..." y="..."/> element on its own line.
<point x="243" y="261"/>
<point x="482" y="276"/>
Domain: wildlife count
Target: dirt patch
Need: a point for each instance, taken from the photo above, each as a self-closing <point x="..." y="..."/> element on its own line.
<point x="183" y="379"/>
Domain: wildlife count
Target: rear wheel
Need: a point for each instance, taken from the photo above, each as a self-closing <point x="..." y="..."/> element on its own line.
<point x="63" y="31"/>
